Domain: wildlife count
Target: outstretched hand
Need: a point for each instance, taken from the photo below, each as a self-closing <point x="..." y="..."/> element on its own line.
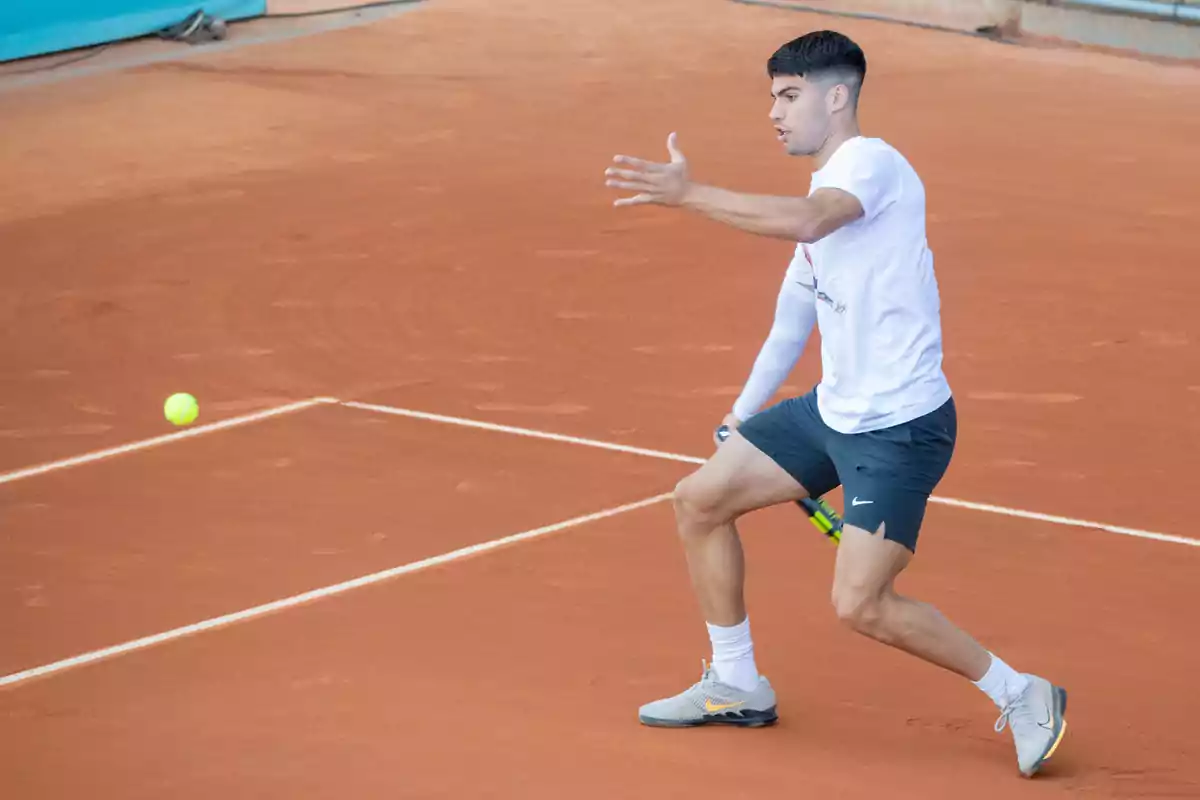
<point x="657" y="183"/>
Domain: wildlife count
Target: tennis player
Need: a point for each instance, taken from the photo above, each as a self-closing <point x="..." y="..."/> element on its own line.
<point x="881" y="421"/>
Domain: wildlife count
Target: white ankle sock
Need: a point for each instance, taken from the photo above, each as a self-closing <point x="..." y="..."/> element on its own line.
<point x="733" y="655"/>
<point x="1002" y="683"/>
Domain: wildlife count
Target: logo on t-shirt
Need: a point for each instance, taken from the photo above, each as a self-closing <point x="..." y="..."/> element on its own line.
<point x="838" y="307"/>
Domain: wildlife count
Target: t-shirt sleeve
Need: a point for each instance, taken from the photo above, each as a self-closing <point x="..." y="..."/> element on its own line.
<point x="868" y="173"/>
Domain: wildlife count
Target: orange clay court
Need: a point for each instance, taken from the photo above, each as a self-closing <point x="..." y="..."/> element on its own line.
<point x="314" y="236"/>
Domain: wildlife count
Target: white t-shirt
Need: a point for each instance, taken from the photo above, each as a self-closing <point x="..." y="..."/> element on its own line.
<point x="878" y="308"/>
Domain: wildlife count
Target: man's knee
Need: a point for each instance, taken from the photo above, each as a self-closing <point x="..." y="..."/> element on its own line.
<point x="699" y="503"/>
<point x="861" y="608"/>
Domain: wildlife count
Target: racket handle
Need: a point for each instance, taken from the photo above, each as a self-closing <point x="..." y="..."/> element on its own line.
<point x="823" y="517"/>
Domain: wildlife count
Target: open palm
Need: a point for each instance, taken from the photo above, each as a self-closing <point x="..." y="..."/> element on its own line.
<point x="657" y="183"/>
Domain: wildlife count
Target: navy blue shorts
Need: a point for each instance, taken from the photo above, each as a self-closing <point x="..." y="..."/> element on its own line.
<point x="887" y="475"/>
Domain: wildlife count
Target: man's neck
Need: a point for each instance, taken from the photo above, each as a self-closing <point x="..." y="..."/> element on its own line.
<point x="836" y="139"/>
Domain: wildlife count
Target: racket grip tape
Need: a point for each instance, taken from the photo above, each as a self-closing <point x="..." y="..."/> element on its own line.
<point x="823" y="517"/>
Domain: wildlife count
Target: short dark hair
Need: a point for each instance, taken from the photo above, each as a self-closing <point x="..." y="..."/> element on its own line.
<point x="820" y="53"/>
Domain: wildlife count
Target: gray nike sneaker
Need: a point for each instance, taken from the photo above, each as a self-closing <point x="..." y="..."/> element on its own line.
<point x="712" y="702"/>
<point x="1037" y="722"/>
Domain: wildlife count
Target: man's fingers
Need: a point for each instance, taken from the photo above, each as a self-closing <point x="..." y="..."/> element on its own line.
<point x="673" y="149"/>
<point x="643" y="179"/>
<point x="649" y="166"/>
<point x="637" y="186"/>
<point x="636" y="200"/>
<point x="627" y="173"/>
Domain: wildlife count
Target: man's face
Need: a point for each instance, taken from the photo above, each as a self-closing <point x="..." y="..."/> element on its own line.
<point x="802" y="113"/>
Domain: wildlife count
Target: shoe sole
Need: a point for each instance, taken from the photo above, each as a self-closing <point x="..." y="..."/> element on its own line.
<point x="745" y="719"/>
<point x="1060" y="715"/>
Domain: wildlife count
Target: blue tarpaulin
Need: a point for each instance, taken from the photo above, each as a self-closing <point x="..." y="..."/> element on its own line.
<point x="35" y="27"/>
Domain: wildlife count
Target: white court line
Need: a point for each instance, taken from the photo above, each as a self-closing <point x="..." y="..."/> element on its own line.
<point x="199" y="430"/>
<point x="621" y="448"/>
<point x="491" y="426"/>
<point x="1057" y="520"/>
<point x="318" y="594"/>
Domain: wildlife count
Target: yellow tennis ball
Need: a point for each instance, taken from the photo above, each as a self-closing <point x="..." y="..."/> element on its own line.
<point x="181" y="408"/>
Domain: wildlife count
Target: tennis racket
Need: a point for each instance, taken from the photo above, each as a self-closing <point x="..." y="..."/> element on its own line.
<point x="820" y="513"/>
